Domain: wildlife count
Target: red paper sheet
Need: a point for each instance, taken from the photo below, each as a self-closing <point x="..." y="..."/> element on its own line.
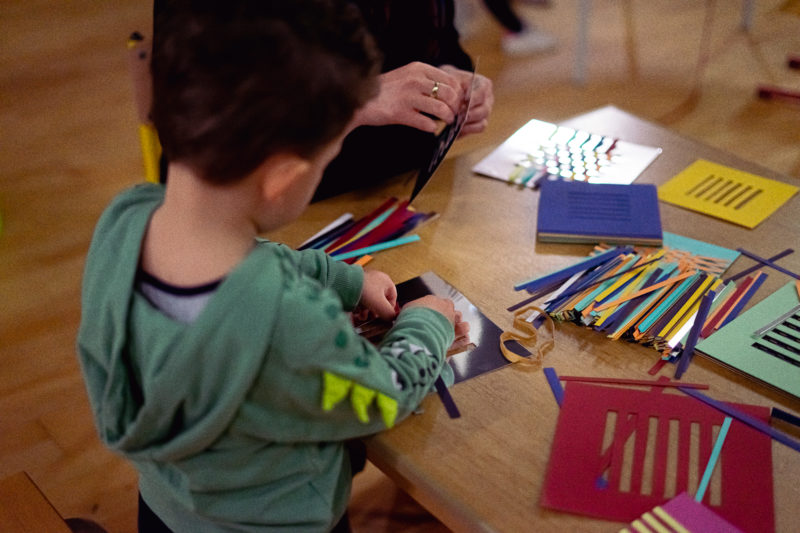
<point x="584" y="477"/>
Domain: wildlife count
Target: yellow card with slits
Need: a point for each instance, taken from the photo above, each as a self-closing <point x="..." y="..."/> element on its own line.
<point x="723" y="192"/>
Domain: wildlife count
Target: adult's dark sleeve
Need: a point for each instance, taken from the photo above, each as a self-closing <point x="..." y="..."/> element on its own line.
<point x="406" y="31"/>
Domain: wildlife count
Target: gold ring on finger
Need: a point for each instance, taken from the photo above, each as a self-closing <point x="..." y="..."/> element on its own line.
<point x="435" y="90"/>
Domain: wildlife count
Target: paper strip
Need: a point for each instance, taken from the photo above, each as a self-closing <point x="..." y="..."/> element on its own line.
<point x="712" y="461"/>
<point x="724" y="309"/>
<point x="360" y="223"/>
<point x="693" y="311"/>
<point x="722" y="296"/>
<point x="743" y="417"/>
<point x="697" y="295"/>
<point x="786" y="417"/>
<point x="657" y="367"/>
<point x="753" y="268"/>
<point x="666" y="304"/>
<point x="371" y="225"/>
<point x="587" y="299"/>
<point x="565" y="273"/>
<point x="555" y="384"/>
<point x="768" y="263"/>
<point x="344" y="219"/>
<point x="603" y="280"/>
<point x="760" y="331"/>
<point x="694" y="334"/>
<point x="643" y="382"/>
<point x="376" y="247"/>
<point x="447" y="399"/>
<point x="605" y="318"/>
<point x="751" y="290"/>
<point x="644" y="291"/>
<point x="535" y="314"/>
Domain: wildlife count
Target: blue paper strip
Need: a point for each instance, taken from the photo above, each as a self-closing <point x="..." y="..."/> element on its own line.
<point x="786" y="417"/>
<point x="768" y="263"/>
<point x="447" y="399"/>
<point x="555" y="384"/>
<point x="751" y="290"/>
<point x="596" y="277"/>
<point x="694" y="333"/>
<point x="753" y="268"/>
<point x="566" y="273"/>
<point x="751" y="421"/>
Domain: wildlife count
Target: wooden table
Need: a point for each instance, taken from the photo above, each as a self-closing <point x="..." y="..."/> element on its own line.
<point x="24" y="509"/>
<point x="485" y="470"/>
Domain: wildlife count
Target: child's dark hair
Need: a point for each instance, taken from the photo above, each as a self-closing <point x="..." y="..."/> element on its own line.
<point x="238" y="80"/>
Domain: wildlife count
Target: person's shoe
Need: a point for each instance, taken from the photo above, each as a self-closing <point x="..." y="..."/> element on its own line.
<point x="528" y="41"/>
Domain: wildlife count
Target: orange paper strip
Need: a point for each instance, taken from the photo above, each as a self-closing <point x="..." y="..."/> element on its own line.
<point x="646" y="290"/>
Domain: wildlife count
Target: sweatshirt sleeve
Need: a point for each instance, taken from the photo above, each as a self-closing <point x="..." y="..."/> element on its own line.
<point x="322" y="381"/>
<point x="347" y="281"/>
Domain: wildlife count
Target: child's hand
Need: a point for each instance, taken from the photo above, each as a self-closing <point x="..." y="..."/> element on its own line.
<point x="379" y="294"/>
<point x="462" y="340"/>
<point x="442" y="305"/>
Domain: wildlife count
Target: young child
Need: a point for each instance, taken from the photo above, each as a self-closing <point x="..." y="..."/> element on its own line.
<point x="227" y="368"/>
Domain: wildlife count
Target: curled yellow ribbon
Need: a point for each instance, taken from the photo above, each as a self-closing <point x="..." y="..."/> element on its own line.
<point x="529" y="338"/>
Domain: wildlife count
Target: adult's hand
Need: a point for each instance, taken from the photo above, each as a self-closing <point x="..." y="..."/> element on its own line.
<point x="482" y="98"/>
<point x="407" y="96"/>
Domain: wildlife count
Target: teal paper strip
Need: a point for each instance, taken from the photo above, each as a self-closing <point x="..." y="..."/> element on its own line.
<point x="375" y="247"/>
<point x="712" y="460"/>
<point x="651" y="299"/>
<point x="679" y="242"/>
<point x="377" y="222"/>
<point x="666" y="304"/>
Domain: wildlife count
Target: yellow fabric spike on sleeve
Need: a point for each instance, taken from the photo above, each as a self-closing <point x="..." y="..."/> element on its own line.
<point x="388" y="408"/>
<point x="334" y="390"/>
<point x="361" y="398"/>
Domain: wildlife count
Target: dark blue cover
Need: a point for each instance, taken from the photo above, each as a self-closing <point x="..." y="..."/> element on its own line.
<point x="580" y="212"/>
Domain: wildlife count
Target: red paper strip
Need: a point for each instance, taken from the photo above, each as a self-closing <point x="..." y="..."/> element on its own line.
<point x="644" y="382"/>
<point x="358" y="226"/>
<point x="723" y="310"/>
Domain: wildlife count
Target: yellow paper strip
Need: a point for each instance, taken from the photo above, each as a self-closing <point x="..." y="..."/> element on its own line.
<point x="693" y="311"/>
<point x="635" y="319"/>
<point x="614" y="286"/>
<point x="632" y="287"/>
<point x="686" y="306"/>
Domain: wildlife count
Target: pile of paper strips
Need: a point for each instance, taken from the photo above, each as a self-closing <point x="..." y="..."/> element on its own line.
<point x="646" y="295"/>
<point x="389" y="225"/>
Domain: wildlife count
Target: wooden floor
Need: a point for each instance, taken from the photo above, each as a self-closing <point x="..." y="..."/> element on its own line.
<point x="68" y="143"/>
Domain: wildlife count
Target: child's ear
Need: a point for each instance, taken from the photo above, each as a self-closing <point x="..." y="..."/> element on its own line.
<point x="279" y="173"/>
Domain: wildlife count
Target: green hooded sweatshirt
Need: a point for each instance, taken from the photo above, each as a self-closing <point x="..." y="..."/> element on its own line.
<point x="237" y="421"/>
